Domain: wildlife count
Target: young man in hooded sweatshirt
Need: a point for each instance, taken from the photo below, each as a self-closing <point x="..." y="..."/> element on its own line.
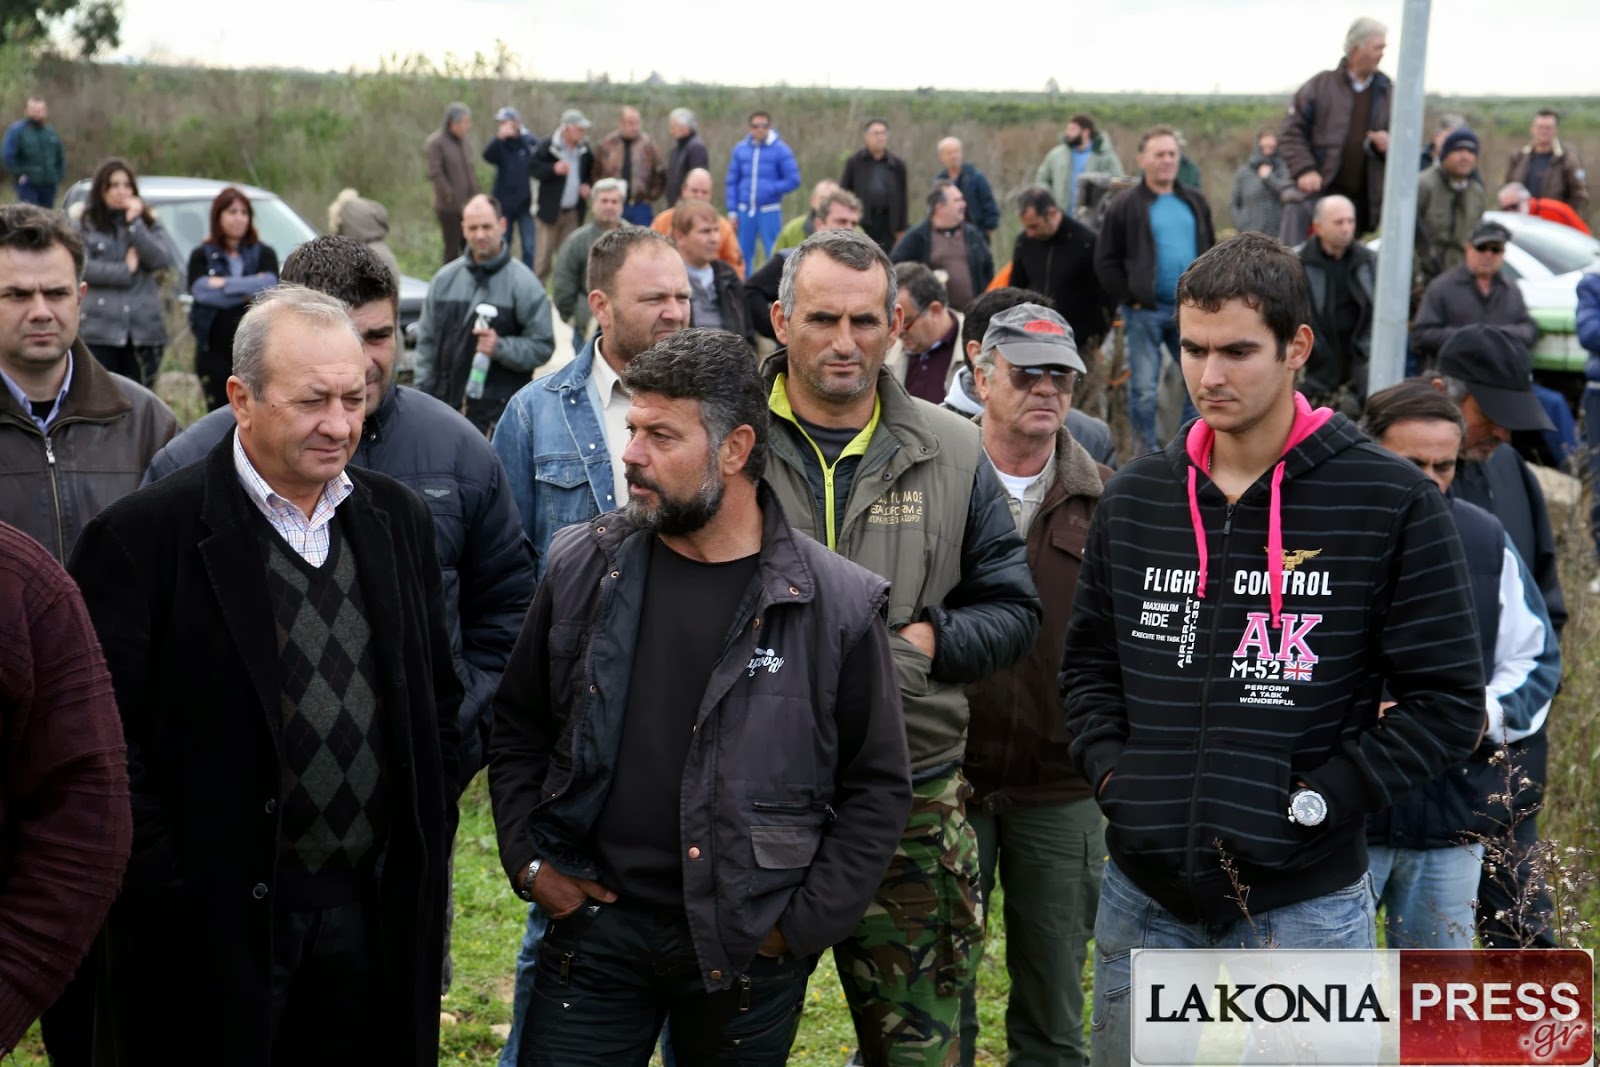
<point x="1246" y="597"/>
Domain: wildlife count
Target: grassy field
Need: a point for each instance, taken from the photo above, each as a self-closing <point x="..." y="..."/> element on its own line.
<point x="307" y="136"/>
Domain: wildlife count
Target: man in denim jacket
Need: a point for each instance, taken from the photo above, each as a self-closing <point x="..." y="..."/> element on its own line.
<point x="562" y="437"/>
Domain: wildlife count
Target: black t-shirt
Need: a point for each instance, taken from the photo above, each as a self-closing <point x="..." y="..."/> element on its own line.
<point x="830" y="439"/>
<point x="688" y="610"/>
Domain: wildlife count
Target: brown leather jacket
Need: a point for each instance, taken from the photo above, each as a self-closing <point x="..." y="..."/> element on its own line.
<point x="1564" y="179"/>
<point x="1313" y="133"/>
<point x="108" y="430"/>
<point x="1017" y="744"/>
<point x="649" y="168"/>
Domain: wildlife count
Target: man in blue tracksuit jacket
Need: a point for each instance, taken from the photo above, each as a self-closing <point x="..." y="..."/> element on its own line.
<point x="761" y="171"/>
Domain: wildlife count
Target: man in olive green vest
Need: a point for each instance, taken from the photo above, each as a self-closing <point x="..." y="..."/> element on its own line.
<point x="903" y="488"/>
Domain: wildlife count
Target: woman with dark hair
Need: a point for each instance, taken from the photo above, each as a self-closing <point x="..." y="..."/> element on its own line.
<point x="125" y="249"/>
<point x="225" y="274"/>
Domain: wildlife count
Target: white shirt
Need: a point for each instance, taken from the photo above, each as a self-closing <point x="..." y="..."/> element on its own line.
<point x="1025" y="493"/>
<point x="613" y="399"/>
<point x="1017" y="485"/>
<point x="308" y="536"/>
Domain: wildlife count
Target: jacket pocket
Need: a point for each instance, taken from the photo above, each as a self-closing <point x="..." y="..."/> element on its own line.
<point x="1070" y="541"/>
<point x="913" y="668"/>
<point x="565" y="494"/>
<point x="565" y="646"/>
<point x="563" y="472"/>
<point x="1244" y="802"/>
<point x="1146" y="801"/>
<point x="784" y="848"/>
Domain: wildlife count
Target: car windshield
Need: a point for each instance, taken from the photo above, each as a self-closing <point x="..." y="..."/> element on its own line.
<point x="278" y="226"/>
<point x="1560" y="248"/>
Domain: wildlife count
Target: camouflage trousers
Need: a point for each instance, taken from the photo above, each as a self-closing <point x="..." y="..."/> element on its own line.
<point x="919" y="943"/>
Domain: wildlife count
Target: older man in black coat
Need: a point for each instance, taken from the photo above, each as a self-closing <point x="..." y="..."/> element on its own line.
<point x="274" y="624"/>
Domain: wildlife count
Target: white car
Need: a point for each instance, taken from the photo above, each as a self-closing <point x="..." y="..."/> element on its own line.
<point x="185" y="208"/>
<point x="1545" y="259"/>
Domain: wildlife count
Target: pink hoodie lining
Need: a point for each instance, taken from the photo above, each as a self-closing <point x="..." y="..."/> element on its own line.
<point x="1199" y="443"/>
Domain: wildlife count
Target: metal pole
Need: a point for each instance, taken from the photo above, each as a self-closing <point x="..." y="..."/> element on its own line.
<point x="1388" y="363"/>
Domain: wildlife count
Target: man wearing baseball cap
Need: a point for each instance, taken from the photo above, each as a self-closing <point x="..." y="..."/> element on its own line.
<point x="564" y="167"/>
<point x="1474" y="292"/>
<point x="1035" y="815"/>
<point x="511" y="155"/>
<point x="1490" y="375"/>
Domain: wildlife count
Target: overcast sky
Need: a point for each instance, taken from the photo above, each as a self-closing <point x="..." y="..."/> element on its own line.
<point x="1475" y="47"/>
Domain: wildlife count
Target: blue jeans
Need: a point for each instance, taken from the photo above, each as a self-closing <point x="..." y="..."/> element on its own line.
<point x="522" y="226"/>
<point x="527" y="961"/>
<point x="763" y="224"/>
<point x="1427" y="894"/>
<point x="609" y="974"/>
<point x="1130" y="919"/>
<point x="1148" y="330"/>
<point x="640" y="214"/>
<point x="33" y="193"/>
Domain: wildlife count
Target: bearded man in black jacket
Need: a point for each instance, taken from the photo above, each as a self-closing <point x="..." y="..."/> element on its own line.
<point x="701" y="801"/>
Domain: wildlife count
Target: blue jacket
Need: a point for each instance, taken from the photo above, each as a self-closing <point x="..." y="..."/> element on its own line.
<point x="555" y="455"/>
<point x="1522" y="664"/>
<point x="982" y="209"/>
<point x="1589" y="323"/>
<point x="759" y="175"/>
<point x="511" y="160"/>
<point x="488" y="570"/>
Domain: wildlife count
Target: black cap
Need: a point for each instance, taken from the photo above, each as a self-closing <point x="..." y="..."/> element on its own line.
<point x="1459" y="138"/>
<point x="1489" y="232"/>
<point x="1498" y="373"/>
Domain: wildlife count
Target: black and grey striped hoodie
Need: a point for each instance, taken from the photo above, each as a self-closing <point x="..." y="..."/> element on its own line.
<point x="1219" y="653"/>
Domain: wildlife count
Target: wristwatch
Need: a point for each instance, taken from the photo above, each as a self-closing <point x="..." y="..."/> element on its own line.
<point x="525" y="891"/>
<point x="1307" y="807"/>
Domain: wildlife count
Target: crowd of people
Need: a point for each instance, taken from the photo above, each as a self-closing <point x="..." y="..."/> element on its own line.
<point x="802" y="610"/>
